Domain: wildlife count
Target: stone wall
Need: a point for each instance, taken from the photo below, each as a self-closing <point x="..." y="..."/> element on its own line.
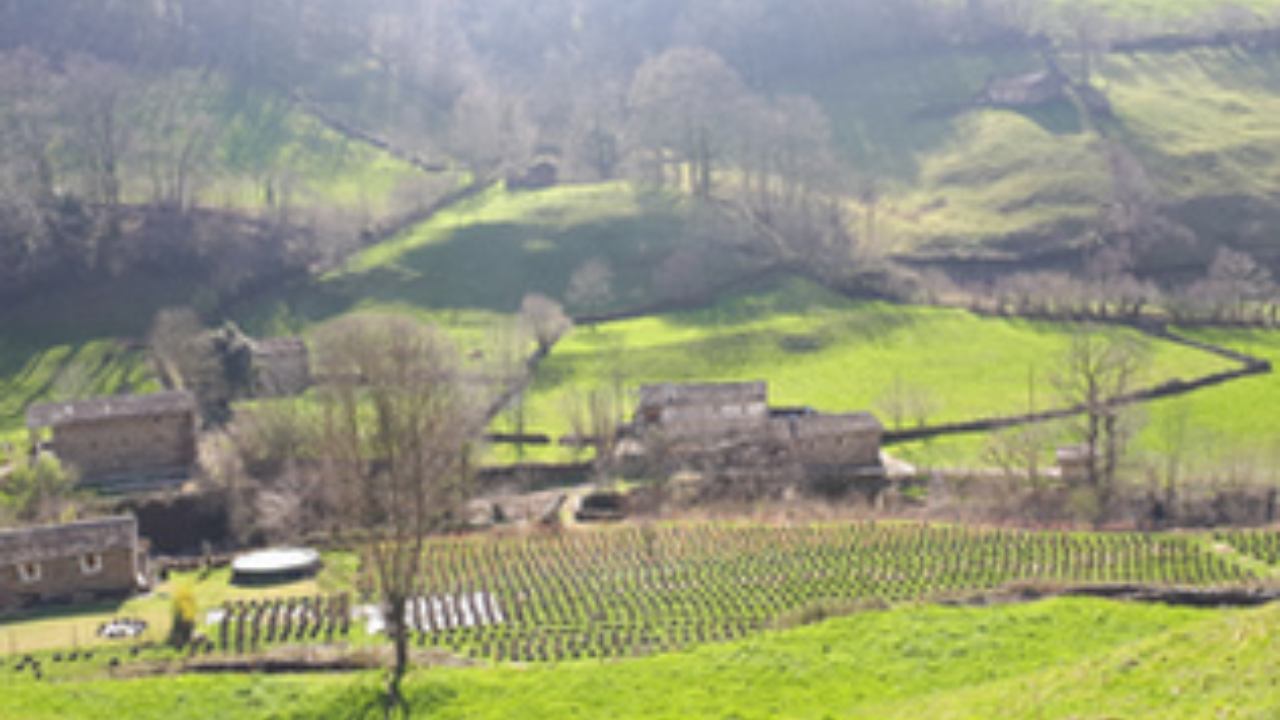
<point x="835" y="440"/>
<point x="64" y="578"/>
<point x="281" y="368"/>
<point x="127" y="446"/>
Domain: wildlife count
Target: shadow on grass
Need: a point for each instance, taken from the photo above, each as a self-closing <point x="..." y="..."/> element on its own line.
<point x="62" y="612"/>
<point x="492" y="267"/>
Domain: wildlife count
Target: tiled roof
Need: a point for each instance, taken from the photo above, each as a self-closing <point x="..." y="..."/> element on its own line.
<point x="119" y="406"/>
<point x="46" y="542"/>
<point x="703" y="394"/>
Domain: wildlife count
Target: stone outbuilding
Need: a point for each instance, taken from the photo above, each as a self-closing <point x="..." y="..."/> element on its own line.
<point x="1074" y="463"/>
<point x="1025" y="91"/>
<point x="122" y="438"/>
<point x="281" y="367"/>
<point x="73" y="562"/>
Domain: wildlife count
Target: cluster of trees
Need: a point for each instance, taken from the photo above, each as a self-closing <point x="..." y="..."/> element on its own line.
<point x="38" y="490"/>
<point x="109" y="103"/>
<point x="1235" y="289"/>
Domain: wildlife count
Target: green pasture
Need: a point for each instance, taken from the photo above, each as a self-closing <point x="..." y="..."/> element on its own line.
<point x="256" y="151"/>
<point x="1220" y="433"/>
<point x="831" y="353"/>
<point x="81" y="341"/>
<point x="1058" y="658"/>
<point x="479" y="259"/>
<point x="952" y="179"/>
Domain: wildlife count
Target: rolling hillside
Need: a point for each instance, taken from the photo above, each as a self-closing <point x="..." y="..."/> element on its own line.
<point x="955" y="179"/>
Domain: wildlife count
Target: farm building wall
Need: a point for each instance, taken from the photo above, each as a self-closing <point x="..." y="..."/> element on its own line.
<point x="71" y="577"/>
<point x="110" y="447"/>
<point x="281" y="368"/>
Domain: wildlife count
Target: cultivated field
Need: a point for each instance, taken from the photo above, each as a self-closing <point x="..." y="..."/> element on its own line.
<point x="714" y="603"/>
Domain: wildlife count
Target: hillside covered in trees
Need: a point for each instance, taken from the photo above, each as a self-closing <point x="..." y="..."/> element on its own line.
<point x="1033" y="131"/>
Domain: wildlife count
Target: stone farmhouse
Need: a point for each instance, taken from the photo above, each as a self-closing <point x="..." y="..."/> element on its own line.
<point x="731" y="430"/>
<point x="281" y="367"/>
<point x="117" y="440"/>
<point x="75" y="562"/>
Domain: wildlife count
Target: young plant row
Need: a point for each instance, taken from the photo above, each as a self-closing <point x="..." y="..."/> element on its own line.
<point x="246" y="626"/>
<point x="626" y="591"/>
<point x="1261" y="545"/>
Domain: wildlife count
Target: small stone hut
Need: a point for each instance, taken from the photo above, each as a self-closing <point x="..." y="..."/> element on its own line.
<point x="281" y="367"/>
<point x="1024" y="91"/>
<point x="125" y="437"/>
<point x="77" y="562"/>
<point x="1074" y="463"/>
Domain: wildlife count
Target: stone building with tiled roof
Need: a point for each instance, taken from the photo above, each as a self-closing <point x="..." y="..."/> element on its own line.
<point x="78" y="561"/>
<point x="281" y="367"/>
<point x="125" y="437"/>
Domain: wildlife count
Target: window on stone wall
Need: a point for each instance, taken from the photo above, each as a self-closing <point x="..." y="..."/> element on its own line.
<point x="91" y="563"/>
<point x="29" y="572"/>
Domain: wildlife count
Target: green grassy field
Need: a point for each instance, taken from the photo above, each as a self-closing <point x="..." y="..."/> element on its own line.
<point x="477" y="260"/>
<point x="1221" y="432"/>
<point x="956" y="180"/>
<point x="1059" y="658"/>
<point x="66" y="371"/>
<point x="256" y="150"/>
<point x="820" y="349"/>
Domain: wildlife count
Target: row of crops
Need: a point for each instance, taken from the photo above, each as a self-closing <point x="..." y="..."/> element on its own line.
<point x="1261" y="545"/>
<point x="637" y="590"/>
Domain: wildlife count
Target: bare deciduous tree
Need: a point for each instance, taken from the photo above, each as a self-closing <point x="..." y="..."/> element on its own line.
<point x="1097" y="370"/>
<point x="594" y="417"/>
<point x="683" y="102"/>
<point x="544" y="319"/>
<point x="398" y="427"/>
<point x="904" y="402"/>
<point x="590" y="287"/>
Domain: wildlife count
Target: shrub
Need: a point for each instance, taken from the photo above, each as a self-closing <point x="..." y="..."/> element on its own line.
<point x="184" y="616"/>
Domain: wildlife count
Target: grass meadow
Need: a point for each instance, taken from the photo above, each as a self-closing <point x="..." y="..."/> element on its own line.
<point x="1065" y="658"/>
<point x="1222" y="433"/>
<point x="476" y="261"/>
<point x="823" y="350"/>
<point x="956" y="180"/>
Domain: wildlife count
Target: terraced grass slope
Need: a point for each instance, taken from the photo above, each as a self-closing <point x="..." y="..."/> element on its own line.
<point x="820" y="349"/>
<point x="1060" y="658"/>
<point x="954" y="179"/>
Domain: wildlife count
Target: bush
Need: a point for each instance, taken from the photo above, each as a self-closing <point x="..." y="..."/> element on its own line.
<point x="184" y="616"/>
<point x="43" y="491"/>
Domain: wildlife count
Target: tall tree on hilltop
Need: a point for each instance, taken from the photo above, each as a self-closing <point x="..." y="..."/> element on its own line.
<point x="686" y="101"/>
